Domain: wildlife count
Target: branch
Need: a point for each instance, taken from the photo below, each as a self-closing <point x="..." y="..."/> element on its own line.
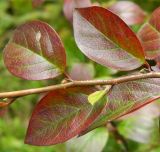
<point x="21" y="93"/>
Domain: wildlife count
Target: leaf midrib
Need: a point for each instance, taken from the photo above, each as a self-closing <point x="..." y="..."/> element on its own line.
<point x="117" y="46"/>
<point x="54" y="65"/>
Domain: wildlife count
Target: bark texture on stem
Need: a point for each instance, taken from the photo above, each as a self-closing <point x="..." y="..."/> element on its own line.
<point x="21" y="93"/>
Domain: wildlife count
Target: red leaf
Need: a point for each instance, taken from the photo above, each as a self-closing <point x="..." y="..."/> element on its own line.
<point x="127" y="97"/>
<point x="129" y="12"/>
<point x="82" y="71"/>
<point x="70" y="5"/>
<point x="37" y="3"/>
<point x="106" y="39"/>
<point x="61" y="115"/>
<point x="35" y="52"/>
<point x="150" y="36"/>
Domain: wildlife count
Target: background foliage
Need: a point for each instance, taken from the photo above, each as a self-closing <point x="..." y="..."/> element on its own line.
<point x="13" y="125"/>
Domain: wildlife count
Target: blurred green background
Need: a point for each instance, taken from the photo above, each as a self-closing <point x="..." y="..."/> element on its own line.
<point x="13" y="124"/>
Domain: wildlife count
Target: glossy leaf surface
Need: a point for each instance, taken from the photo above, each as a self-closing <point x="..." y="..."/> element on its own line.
<point x="149" y="35"/>
<point x="129" y="12"/>
<point x="106" y="39"/>
<point x="94" y="141"/>
<point x="35" y="52"/>
<point x="70" y="5"/>
<point x="128" y="97"/>
<point x="61" y="115"/>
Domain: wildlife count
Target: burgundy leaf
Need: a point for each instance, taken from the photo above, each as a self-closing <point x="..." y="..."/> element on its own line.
<point x="70" y="5"/>
<point x="129" y="12"/>
<point x="61" y="115"/>
<point x="82" y="71"/>
<point x="35" y="52"/>
<point x="127" y="97"/>
<point x="37" y="3"/>
<point x="106" y="39"/>
<point x="149" y="35"/>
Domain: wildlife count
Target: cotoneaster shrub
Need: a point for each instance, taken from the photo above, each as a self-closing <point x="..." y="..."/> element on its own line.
<point x="79" y="105"/>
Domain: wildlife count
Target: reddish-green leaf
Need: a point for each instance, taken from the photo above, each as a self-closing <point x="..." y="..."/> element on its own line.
<point x="128" y="11"/>
<point x="61" y="115"/>
<point x="70" y="5"/>
<point x="128" y="97"/>
<point x="105" y="38"/>
<point x="149" y="35"/>
<point x="37" y="3"/>
<point x="35" y="52"/>
<point x="82" y="71"/>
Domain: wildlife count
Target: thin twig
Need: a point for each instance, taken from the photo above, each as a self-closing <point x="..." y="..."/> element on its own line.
<point x="21" y="93"/>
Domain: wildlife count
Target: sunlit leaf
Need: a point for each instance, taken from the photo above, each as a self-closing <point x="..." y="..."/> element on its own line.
<point x="149" y="35"/>
<point x="70" y="5"/>
<point x="140" y="126"/>
<point x="129" y="12"/>
<point x="128" y="97"/>
<point x="106" y="39"/>
<point x="61" y="115"/>
<point x="96" y="96"/>
<point x="82" y="71"/>
<point x="35" y="52"/>
<point x="94" y="141"/>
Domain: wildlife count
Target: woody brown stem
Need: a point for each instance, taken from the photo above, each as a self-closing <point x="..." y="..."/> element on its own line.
<point x="115" y="81"/>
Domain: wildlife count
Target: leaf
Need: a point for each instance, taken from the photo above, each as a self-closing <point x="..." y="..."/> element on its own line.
<point x="149" y="35"/>
<point x="61" y="115"/>
<point x="129" y="12"/>
<point x="106" y="39"/>
<point x="140" y="126"/>
<point x="96" y="96"/>
<point x="70" y="5"/>
<point x="35" y="52"/>
<point x="94" y="141"/>
<point x="37" y="3"/>
<point x="82" y="71"/>
<point x="127" y="97"/>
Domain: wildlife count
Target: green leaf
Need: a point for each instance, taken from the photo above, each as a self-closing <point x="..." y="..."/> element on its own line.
<point x="94" y="141"/>
<point x="96" y="96"/>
